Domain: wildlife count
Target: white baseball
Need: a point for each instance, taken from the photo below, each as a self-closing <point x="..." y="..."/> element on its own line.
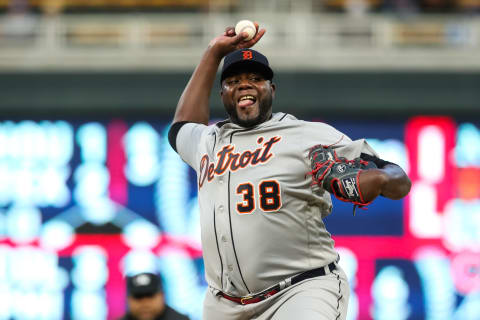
<point x="246" y="26"/>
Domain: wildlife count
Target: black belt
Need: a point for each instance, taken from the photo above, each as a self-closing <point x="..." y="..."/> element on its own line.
<point x="280" y="286"/>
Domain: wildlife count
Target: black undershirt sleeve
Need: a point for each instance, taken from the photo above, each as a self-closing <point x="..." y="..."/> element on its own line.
<point x="173" y="132"/>
<point x="378" y="162"/>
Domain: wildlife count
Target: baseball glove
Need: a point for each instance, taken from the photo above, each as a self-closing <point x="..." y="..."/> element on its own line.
<point x="338" y="175"/>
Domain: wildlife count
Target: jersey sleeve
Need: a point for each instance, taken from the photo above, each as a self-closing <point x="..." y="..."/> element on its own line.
<point x="355" y="149"/>
<point x="324" y="134"/>
<point x="315" y="133"/>
<point x="380" y="163"/>
<point x="185" y="140"/>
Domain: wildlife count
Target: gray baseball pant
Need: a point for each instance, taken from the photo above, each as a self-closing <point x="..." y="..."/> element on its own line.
<point x="320" y="298"/>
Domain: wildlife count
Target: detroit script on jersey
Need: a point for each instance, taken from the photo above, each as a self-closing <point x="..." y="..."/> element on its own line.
<point x="228" y="159"/>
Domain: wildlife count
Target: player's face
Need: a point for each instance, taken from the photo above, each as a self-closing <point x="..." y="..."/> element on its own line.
<point x="247" y="97"/>
<point x="146" y="307"/>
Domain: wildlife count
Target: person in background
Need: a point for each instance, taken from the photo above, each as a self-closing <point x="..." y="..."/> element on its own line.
<point x="146" y="300"/>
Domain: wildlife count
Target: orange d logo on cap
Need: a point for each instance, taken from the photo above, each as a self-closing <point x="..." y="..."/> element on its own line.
<point x="247" y="55"/>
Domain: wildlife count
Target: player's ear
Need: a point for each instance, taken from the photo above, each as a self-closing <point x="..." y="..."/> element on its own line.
<point x="274" y="87"/>
<point x="221" y="89"/>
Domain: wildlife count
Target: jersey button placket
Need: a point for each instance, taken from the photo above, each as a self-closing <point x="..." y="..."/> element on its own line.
<point x="223" y="227"/>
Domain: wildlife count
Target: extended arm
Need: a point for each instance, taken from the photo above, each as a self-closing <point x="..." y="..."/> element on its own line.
<point x="193" y="104"/>
<point x="360" y="180"/>
<point x="390" y="181"/>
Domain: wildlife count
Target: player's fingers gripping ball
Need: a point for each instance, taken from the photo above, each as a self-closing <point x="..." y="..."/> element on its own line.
<point x="338" y="175"/>
<point x="246" y="26"/>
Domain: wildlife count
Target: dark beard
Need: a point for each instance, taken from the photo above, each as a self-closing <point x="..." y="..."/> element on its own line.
<point x="265" y="108"/>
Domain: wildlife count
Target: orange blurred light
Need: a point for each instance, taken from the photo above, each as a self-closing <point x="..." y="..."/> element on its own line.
<point x="468" y="183"/>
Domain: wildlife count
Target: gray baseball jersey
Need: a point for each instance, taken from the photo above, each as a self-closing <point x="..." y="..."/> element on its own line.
<point x="261" y="217"/>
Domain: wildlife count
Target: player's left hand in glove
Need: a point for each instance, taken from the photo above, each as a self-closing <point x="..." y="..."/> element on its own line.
<point x="338" y="175"/>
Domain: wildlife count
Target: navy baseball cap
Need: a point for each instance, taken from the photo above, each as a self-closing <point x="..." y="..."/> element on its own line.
<point x="246" y="60"/>
<point x="143" y="284"/>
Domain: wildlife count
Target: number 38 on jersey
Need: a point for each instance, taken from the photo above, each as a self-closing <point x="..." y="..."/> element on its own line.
<point x="266" y="195"/>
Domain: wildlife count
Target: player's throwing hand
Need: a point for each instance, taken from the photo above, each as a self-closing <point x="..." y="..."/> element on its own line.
<point x="229" y="41"/>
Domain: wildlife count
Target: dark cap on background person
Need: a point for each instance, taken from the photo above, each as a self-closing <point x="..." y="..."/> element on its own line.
<point x="143" y="284"/>
<point x="246" y="60"/>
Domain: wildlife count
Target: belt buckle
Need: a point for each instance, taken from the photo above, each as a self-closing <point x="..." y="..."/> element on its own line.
<point x="244" y="299"/>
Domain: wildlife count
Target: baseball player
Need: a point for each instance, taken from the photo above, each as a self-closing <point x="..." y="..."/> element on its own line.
<point x="264" y="185"/>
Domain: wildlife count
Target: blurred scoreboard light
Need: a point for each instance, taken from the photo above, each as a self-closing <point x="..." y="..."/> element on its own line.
<point x="428" y="267"/>
<point x="84" y="203"/>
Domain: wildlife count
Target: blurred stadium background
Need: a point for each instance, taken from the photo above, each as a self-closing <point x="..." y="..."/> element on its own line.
<point x="90" y="189"/>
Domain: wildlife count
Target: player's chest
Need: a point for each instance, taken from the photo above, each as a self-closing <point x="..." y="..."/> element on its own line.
<point x="252" y="159"/>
